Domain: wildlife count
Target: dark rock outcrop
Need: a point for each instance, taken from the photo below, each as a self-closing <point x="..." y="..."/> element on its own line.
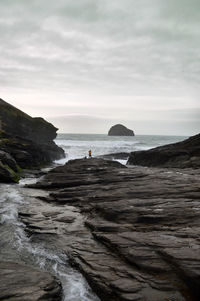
<point x="183" y="154"/>
<point x="120" y="130"/>
<point x="18" y="124"/>
<point x="9" y="170"/>
<point x="23" y="283"/>
<point x="133" y="232"/>
<point x="25" y="142"/>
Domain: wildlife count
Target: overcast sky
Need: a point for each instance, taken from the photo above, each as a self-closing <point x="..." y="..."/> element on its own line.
<point x="87" y="64"/>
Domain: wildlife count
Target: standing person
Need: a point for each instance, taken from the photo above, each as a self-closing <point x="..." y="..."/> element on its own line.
<point x="90" y="153"/>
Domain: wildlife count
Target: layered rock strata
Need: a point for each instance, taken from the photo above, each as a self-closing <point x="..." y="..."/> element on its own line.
<point x="25" y="142"/>
<point x="183" y="154"/>
<point x="23" y="283"/>
<point x="133" y="232"/>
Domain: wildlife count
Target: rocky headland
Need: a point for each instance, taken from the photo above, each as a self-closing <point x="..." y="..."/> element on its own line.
<point x="133" y="232"/>
<point x="25" y="142"/>
<point x="183" y="154"/>
<point x="120" y="130"/>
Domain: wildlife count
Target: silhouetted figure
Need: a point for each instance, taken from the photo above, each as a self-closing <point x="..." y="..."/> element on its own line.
<point x="90" y="153"/>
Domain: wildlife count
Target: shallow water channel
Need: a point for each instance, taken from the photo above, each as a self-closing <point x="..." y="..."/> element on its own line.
<point x="16" y="246"/>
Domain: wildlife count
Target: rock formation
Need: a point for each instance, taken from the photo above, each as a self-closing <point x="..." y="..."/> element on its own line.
<point x="133" y="232"/>
<point x="25" y="142"/>
<point x="183" y="154"/>
<point x="24" y="283"/>
<point x="120" y="130"/>
<point x="17" y="123"/>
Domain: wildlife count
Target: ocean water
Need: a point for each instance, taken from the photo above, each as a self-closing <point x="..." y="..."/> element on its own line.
<point x="78" y="145"/>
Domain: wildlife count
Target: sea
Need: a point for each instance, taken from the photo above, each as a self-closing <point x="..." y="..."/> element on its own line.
<point x="78" y="145"/>
<point x="15" y="245"/>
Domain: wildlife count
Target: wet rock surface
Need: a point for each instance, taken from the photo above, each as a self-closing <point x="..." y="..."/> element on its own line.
<point x="23" y="283"/>
<point x="133" y="232"/>
<point x="183" y="154"/>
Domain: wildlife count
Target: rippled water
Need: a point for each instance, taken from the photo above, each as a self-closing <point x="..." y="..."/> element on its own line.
<point x="15" y="245"/>
<point x="77" y="145"/>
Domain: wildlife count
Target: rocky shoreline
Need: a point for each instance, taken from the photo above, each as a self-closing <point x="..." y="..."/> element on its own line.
<point x="132" y="232"/>
<point x="25" y="143"/>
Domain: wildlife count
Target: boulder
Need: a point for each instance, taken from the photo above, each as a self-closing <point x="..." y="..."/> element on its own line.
<point x="183" y="154"/>
<point x="120" y="130"/>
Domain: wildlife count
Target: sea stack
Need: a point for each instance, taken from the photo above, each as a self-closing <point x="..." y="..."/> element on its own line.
<point x="120" y="130"/>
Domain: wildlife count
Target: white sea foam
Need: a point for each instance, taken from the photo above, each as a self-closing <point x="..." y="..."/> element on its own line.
<point x="49" y="259"/>
<point x="9" y="200"/>
<point x="78" y="145"/>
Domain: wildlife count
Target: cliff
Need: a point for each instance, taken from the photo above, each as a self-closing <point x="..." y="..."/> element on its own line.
<point x="17" y="123"/>
<point x="120" y="130"/>
<point x="184" y="154"/>
<point x="25" y="142"/>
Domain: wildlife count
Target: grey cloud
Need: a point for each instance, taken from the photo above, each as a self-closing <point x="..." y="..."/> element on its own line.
<point x="88" y="48"/>
<point x="92" y="124"/>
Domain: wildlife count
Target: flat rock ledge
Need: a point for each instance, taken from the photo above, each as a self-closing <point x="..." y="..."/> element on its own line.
<point x="133" y="232"/>
<point x="23" y="283"/>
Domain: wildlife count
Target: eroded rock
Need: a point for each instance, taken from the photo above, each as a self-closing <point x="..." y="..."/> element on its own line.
<point x="133" y="232"/>
<point x="23" y="283"/>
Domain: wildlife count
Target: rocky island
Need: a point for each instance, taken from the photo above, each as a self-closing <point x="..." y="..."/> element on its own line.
<point x="25" y="142"/>
<point x="120" y="130"/>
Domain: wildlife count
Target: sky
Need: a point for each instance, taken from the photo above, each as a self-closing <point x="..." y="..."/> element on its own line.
<point x="88" y="64"/>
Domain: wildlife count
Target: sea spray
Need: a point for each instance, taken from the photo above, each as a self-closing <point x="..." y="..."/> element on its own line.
<point x="78" y="145"/>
